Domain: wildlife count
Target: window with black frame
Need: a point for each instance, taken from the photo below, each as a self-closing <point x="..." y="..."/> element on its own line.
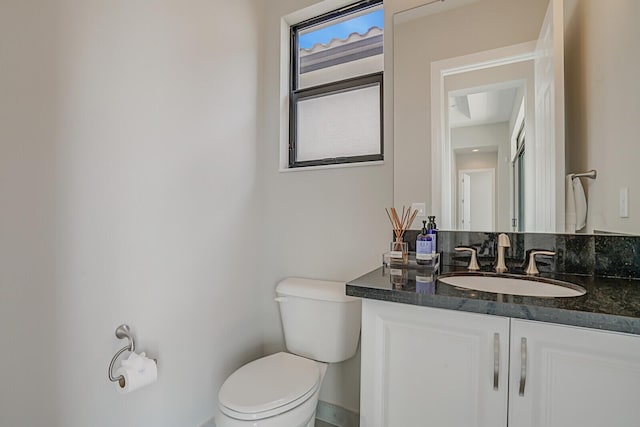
<point x="335" y="95"/>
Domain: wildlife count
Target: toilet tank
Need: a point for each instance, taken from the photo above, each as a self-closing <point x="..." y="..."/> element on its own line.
<point x="320" y="322"/>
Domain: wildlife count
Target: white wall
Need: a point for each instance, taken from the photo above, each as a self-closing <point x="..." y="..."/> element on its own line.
<point x="484" y="25"/>
<point x="327" y="223"/>
<point x="603" y="58"/>
<point x="129" y="194"/>
<point x="476" y="161"/>
<point x="28" y="143"/>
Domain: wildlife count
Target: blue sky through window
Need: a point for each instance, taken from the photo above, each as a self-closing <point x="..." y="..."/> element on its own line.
<point x="342" y="30"/>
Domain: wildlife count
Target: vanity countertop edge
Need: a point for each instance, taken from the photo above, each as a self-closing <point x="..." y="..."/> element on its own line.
<point x="609" y="304"/>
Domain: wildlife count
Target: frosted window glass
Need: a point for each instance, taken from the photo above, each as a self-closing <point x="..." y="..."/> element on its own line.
<point x="339" y="125"/>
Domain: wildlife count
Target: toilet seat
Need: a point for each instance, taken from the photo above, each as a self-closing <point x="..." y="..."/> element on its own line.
<point x="269" y="386"/>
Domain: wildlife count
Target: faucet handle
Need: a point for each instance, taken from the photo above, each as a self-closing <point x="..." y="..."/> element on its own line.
<point x="532" y="268"/>
<point x="504" y="241"/>
<point x="473" y="263"/>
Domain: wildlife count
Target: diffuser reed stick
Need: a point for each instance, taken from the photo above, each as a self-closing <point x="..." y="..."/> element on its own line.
<point x="401" y="223"/>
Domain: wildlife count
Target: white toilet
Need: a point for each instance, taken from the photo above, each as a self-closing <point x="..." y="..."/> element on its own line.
<point x="321" y="325"/>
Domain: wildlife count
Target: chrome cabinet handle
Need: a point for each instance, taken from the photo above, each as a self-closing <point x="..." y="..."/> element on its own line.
<point x="496" y="360"/>
<point x="523" y="365"/>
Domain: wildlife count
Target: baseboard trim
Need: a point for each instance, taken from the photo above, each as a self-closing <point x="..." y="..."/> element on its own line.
<point x="326" y="412"/>
<point x="337" y="415"/>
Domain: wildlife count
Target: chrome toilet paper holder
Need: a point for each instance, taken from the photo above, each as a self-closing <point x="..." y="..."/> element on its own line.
<point x="122" y="332"/>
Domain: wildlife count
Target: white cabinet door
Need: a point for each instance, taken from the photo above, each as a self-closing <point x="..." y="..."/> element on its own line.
<point x="573" y="377"/>
<point x="429" y="367"/>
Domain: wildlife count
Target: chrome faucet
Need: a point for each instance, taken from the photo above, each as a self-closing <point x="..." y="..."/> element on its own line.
<point x="503" y="243"/>
<point x="473" y="262"/>
<point x="532" y="268"/>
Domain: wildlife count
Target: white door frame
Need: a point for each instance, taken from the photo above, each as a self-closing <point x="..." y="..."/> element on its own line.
<point x="442" y="203"/>
<point x="548" y="204"/>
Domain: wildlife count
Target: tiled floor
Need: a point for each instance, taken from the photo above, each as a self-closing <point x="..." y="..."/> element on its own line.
<point x="323" y="424"/>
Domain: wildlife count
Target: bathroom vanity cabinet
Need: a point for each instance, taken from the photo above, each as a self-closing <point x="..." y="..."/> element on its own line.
<point x="424" y="366"/>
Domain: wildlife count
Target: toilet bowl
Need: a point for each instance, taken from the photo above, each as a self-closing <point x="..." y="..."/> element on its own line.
<point x="278" y="390"/>
<point x="321" y="325"/>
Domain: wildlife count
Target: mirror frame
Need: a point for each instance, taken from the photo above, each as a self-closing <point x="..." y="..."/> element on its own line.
<point x="441" y="191"/>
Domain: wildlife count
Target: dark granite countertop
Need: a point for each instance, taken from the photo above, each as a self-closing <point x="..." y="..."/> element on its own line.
<point x="609" y="304"/>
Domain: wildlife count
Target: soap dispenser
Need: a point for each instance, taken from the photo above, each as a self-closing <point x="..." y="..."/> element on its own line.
<point x="432" y="230"/>
<point x="424" y="245"/>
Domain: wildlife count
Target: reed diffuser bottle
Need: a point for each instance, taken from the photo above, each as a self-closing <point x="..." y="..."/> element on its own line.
<point x="399" y="249"/>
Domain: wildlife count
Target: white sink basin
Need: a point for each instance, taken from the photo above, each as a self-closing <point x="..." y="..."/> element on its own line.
<point x="514" y="286"/>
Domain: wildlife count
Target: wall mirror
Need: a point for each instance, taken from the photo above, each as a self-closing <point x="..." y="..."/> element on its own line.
<point x="498" y="102"/>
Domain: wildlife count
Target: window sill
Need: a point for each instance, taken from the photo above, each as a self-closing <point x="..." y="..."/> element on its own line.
<point x="336" y="166"/>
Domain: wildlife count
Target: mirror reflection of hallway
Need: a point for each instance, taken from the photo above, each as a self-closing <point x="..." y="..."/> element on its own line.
<point x="482" y="128"/>
<point x="477" y="199"/>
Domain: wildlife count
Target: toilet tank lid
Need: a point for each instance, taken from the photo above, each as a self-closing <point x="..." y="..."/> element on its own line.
<point x="314" y="289"/>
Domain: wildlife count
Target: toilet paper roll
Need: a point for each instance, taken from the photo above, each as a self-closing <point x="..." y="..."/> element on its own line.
<point x="138" y="371"/>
